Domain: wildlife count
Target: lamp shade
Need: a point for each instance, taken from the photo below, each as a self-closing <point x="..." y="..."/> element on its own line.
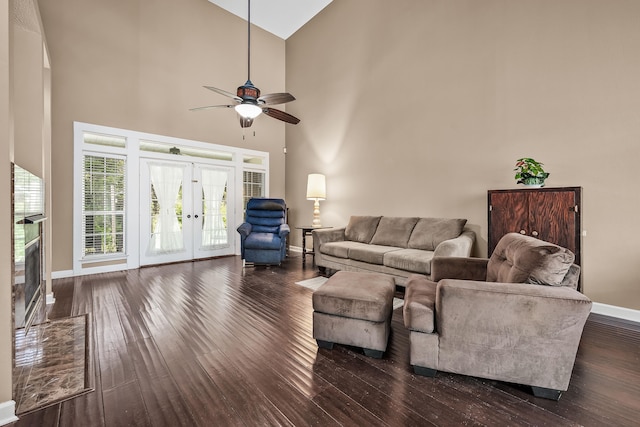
<point x="316" y="187"/>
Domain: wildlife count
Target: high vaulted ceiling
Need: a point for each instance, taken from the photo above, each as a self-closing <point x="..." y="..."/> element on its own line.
<point x="280" y="17"/>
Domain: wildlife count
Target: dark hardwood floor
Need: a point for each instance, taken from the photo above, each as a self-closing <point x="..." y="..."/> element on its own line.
<point x="210" y="343"/>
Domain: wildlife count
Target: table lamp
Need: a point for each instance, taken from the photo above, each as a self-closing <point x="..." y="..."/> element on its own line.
<point x="316" y="191"/>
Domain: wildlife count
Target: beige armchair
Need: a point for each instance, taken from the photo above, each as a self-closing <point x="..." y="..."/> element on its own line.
<point x="516" y="317"/>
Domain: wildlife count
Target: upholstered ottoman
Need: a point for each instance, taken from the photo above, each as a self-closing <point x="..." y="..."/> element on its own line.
<point x="354" y="309"/>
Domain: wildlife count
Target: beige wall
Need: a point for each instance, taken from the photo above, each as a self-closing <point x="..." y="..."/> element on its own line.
<point x="419" y="107"/>
<point x="140" y="65"/>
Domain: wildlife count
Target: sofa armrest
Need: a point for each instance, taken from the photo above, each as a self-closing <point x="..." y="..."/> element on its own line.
<point x="458" y="268"/>
<point x="284" y="230"/>
<point x="326" y="235"/>
<point x="458" y="247"/>
<point x="244" y="229"/>
<point x="514" y="332"/>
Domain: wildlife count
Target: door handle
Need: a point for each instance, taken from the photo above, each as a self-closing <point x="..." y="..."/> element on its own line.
<point x="534" y="233"/>
<point x="523" y="232"/>
<point x="188" y="216"/>
<point x="196" y="216"/>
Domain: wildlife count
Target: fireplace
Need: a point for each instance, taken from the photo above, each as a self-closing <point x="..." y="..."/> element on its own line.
<point x="28" y="215"/>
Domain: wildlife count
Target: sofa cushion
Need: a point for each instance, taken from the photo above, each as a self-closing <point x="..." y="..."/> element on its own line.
<point x="361" y="228"/>
<point x="372" y="254"/>
<point x="525" y="259"/>
<point x="430" y="232"/>
<point x="394" y="231"/>
<point x="340" y="249"/>
<point x="415" y="260"/>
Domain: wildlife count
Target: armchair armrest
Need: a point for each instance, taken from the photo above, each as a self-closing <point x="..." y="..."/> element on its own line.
<point x="458" y="268"/>
<point x="284" y="230"/>
<point x="507" y="331"/>
<point x="244" y="229"/>
<point x="458" y="247"/>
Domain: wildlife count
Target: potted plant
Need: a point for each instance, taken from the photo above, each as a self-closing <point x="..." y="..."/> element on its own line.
<point x="530" y="172"/>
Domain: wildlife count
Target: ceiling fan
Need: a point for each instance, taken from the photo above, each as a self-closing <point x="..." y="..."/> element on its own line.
<point x="249" y="103"/>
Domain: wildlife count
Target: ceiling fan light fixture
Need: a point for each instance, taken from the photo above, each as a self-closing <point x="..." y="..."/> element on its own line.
<point x="247" y="110"/>
<point x="250" y="103"/>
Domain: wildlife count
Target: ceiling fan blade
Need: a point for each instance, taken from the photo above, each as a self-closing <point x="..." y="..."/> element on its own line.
<point x="211" y="106"/>
<point x="281" y="115"/>
<point x="245" y="122"/>
<point x="224" y="92"/>
<point x="276" y="98"/>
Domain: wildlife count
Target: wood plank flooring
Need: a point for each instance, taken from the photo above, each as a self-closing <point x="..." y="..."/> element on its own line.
<point x="209" y="343"/>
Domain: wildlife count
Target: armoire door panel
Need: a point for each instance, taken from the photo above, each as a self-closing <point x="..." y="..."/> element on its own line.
<point x="550" y="214"/>
<point x="552" y="217"/>
<point x="508" y="214"/>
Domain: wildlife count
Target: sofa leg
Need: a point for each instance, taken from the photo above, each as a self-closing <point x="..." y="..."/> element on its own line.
<point x="425" y="372"/>
<point x="376" y="354"/>
<point x="325" y="344"/>
<point x="546" y="393"/>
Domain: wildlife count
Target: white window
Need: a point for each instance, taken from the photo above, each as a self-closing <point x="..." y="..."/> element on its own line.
<point x="113" y="223"/>
<point x="253" y="185"/>
<point x="103" y="205"/>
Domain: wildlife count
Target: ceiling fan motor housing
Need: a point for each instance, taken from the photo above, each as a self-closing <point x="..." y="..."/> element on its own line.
<point x="248" y="92"/>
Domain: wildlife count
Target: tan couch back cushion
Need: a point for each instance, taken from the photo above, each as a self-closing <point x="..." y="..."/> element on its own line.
<point x="361" y="228"/>
<point x="524" y="259"/>
<point x="430" y="232"/>
<point x="394" y="231"/>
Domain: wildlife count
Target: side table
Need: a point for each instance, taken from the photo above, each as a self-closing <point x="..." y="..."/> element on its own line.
<point x="307" y="230"/>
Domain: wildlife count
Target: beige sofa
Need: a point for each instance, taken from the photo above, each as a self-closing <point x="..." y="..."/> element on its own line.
<point x="397" y="246"/>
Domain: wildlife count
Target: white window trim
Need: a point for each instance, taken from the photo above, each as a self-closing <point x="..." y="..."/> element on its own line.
<point x="131" y="259"/>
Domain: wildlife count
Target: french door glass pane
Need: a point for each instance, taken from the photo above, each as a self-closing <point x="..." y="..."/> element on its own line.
<point x="166" y="208"/>
<point x="214" y="208"/>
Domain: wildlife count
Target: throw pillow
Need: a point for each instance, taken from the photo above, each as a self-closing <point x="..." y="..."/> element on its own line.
<point x="394" y="231"/>
<point x="430" y="232"/>
<point x="361" y="228"/>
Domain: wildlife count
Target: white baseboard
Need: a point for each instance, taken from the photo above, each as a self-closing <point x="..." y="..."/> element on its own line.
<point x="615" y="311"/>
<point x="61" y="274"/>
<point x="8" y="412"/>
<point x="50" y="299"/>
<point x="295" y="249"/>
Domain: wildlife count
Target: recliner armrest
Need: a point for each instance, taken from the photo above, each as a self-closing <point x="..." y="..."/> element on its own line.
<point x="284" y="230"/>
<point x="459" y="268"/>
<point x="244" y="229"/>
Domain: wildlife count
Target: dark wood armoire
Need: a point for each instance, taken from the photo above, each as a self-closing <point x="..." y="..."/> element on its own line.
<point x="550" y="214"/>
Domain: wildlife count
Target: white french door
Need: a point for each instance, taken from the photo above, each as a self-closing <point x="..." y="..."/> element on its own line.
<point x="184" y="211"/>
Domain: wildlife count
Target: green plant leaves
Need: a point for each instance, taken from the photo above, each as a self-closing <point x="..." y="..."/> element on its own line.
<point x="527" y="168"/>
